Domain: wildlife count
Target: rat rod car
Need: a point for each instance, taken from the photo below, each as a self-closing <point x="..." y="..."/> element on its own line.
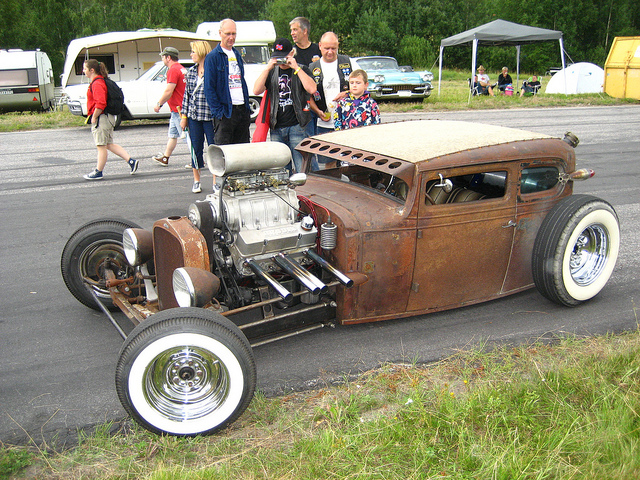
<point x="417" y="217"/>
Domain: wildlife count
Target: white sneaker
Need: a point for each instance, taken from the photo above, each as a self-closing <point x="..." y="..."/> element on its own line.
<point x="196" y="187"/>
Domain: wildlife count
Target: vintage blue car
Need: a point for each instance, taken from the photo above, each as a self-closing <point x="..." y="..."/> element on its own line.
<point x="388" y="81"/>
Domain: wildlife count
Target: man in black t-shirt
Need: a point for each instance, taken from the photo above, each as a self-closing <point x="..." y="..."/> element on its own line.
<point x="306" y="53"/>
<point x="288" y="86"/>
<point x="306" y="50"/>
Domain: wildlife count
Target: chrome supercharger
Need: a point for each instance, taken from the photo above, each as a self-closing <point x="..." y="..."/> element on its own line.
<point x="253" y="223"/>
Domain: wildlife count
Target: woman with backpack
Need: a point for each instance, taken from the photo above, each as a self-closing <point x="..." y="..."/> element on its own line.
<point x="102" y="123"/>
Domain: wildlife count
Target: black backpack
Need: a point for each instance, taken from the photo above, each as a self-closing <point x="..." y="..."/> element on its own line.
<point x="115" y="98"/>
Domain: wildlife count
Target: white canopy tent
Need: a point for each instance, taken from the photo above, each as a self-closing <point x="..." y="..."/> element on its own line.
<point x="499" y="33"/>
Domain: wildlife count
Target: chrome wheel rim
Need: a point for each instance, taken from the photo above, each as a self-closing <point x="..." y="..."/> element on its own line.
<point x="589" y="255"/>
<point x="186" y="383"/>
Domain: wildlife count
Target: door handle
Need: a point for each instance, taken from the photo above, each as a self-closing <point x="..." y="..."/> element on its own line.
<point x="510" y="224"/>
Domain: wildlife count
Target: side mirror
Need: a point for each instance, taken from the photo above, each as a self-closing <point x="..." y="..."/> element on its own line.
<point x="297" y="180"/>
<point x="445" y="183"/>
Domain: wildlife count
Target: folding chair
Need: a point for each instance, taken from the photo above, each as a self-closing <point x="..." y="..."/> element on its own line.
<point x="473" y="87"/>
<point x="530" y="90"/>
<point x="477" y="89"/>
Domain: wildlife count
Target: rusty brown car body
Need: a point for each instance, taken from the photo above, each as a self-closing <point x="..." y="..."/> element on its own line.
<point x="416" y="217"/>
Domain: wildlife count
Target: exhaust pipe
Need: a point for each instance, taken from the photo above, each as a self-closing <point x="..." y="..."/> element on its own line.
<point x="277" y="286"/>
<point x="341" y="277"/>
<point x="309" y="281"/>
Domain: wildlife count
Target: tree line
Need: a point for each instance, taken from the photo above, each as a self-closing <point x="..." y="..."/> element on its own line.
<point x="410" y="30"/>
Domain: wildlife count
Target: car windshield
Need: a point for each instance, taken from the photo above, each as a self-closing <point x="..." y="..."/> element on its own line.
<point x="254" y="54"/>
<point x="375" y="180"/>
<point x="158" y="72"/>
<point x="378" y="63"/>
<point x="152" y="72"/>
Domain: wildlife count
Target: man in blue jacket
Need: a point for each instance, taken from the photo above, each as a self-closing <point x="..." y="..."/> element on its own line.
<point x="226" y="90"/>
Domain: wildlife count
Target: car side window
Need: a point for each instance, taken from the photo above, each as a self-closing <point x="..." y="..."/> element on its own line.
<point x="466" y="188"/>
<point x="538" y="179"/>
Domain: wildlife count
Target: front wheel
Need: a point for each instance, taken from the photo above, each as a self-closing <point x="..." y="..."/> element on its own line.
<point x="576" y="250"/>
<point x="87" y="253"/>
<point x="185" y="372"/>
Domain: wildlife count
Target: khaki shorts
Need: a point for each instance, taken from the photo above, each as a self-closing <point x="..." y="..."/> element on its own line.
<point x="103" y="130"/>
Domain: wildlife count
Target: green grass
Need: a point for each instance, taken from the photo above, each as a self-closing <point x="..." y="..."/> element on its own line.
<point x="18" y="121"/>
<point x="567" y="410"/>
<point x="454" y="95"/>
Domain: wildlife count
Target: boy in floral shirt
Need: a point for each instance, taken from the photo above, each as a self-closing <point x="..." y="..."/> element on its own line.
<point x="357" y="109"/>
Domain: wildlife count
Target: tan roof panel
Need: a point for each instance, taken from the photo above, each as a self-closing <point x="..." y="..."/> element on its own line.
<point x="419" y="140"/>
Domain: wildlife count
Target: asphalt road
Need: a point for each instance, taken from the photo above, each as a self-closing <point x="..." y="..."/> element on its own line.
<point x="60" y="356"/>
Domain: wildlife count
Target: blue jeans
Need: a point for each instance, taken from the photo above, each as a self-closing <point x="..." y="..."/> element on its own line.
<point x="291" y="137"/>
<point x="312" y="126"/>
<point x="197" y="132"/>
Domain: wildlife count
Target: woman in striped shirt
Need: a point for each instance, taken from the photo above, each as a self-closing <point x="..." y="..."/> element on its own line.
<point x="196" y="114"/>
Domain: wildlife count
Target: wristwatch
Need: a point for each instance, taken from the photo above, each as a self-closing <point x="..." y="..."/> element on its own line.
<point x="159" y="104"/>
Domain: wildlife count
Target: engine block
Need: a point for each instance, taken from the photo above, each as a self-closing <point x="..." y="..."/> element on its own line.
<point x="259" y="208"/>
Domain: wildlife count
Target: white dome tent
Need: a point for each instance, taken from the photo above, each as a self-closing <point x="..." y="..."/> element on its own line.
<point x="577" y="78"/>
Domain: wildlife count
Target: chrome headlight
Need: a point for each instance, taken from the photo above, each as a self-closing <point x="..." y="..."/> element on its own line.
<point x="194" y="287"/>
<point x="378" y="78"/>
<point x="137" y="244"/>
<point x="427" y="76"/>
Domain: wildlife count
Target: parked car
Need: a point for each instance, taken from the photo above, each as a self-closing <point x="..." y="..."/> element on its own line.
<point x="388" y="81"/>
<point x="420" y="217"/>
<point x="140" y="95"/>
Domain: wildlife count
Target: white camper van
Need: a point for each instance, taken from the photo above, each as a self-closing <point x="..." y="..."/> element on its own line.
<point x="26" y="81"/>
<point x="132" y="59"/>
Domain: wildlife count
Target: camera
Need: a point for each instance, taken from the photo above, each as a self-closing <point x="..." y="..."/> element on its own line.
<point x="282" y="61"/>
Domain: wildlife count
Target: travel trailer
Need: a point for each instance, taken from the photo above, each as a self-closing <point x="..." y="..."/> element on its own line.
<point x="127" y="55"/>
<point x="26" y="81"/>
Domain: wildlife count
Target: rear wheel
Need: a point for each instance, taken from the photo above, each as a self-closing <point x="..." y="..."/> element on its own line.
<point x="87" y="252"/>
<point x="185" y="372"/>
<point x="576" y="250"/>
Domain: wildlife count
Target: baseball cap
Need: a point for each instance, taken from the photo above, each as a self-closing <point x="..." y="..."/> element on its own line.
<point x="170" y="51"/>
<point x="281" y="48"/>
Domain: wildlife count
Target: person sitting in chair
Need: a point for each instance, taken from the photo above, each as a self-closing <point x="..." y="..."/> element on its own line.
<point x="530" y="87"/>
<point x="484" y="84"/>
<point x="504" y="79"/>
